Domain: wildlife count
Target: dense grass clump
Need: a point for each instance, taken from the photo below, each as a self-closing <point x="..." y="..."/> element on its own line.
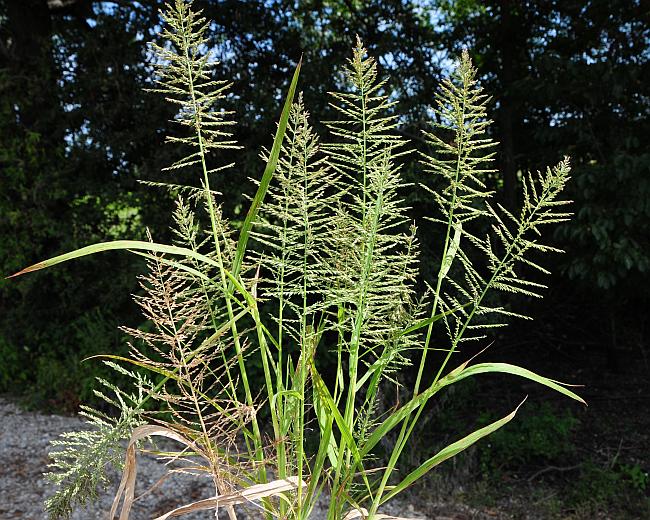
<point x="325" y="263"/>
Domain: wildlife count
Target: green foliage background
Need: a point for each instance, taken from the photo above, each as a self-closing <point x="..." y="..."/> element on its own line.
<point x="77" y="133"/>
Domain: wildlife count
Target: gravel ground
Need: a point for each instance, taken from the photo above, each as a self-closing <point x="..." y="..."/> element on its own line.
<point x="24" y="444"/>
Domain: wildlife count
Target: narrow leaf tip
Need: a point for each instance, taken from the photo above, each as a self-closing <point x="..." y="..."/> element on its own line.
<point x="30" y="269"/>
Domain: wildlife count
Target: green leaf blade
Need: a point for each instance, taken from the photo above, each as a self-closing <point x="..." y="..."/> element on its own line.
<point x="506" y="368"/>
<point x="448" y="452"/>
<point x="266" y="177"/>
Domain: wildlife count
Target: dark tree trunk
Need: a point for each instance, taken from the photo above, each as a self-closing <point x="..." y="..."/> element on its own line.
<point x="31" y="63"/>
<point x="35" y="128"/>
<point x="507" y="42"/>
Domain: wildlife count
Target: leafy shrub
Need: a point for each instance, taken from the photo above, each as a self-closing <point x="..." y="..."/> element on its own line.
<point x="622" y="486"/>
<point x="10" y="373"/>
<point x="539" y="436"/>
<point x="334" y="258"/>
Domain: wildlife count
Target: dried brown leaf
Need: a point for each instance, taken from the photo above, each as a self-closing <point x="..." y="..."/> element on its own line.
<point x="245" y="496"/>
<point x="363" y="513"/>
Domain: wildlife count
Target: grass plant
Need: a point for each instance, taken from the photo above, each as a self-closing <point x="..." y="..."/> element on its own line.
<point x="326" y="250"/>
